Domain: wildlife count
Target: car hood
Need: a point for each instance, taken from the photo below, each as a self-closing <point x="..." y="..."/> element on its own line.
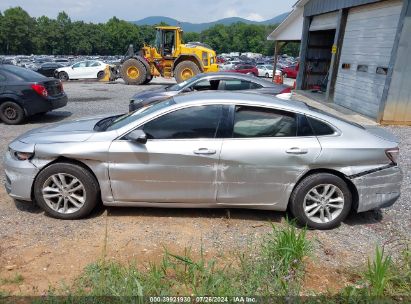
<point x="153" y="93"/>
<point x="72" y="131"/>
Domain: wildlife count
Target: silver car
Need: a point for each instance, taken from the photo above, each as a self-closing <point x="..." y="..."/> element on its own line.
<point x="209" y="150"/>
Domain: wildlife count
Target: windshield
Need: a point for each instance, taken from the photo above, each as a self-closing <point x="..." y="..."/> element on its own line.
<point x="133" y="116"/>
<point x="179" y="86"/>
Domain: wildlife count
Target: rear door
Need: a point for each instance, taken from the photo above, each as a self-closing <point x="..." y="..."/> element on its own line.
<point x="261" y="162"/>
<point x="3" y="80"/>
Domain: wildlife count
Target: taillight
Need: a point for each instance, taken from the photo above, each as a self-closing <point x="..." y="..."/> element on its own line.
<point x="287" y="90"/>
<point x="40" y="89"/>
<point x="393" y="154"/>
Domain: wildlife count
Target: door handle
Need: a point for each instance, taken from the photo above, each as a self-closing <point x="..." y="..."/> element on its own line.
<point x="296" y="151"/>
<point x="204" y="151"/>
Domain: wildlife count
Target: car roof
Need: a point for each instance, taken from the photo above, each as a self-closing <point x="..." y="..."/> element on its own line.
<point x="240" y="76"/>
<point x="251" y="99"/>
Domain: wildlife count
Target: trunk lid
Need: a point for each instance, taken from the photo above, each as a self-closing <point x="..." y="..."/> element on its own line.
<point x="381" y="133"/>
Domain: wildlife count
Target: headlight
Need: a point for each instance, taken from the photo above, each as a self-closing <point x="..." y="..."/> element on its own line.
<point x="20" y="155"/>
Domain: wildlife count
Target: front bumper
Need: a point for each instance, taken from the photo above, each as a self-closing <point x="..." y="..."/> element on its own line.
<point x="212" y="68"/>
<point x="19" y="177"/>
<point x="379" y="189"/>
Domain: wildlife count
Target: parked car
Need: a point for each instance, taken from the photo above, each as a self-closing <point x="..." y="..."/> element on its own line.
<point x="245" y="68"/>
<point x="266" y="70"/>
<point x="290" y="71"/>
<point x="48" y="69"/>
<point x="62" y="61"/>
<point x="209" y="150"/>
<point x="24" y="92"/>
<point x="221" y="81"/>
<point x="89" y="69"/>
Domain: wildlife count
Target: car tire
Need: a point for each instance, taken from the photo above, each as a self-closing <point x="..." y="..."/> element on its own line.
<point x="147" y="81"/>
<point x="267" y="75"/>
<point x="133" y="72"/>
<point x="185" y="70"/>
<point x="100" y="75"/>
<point x="63" y="76"/>
<point x="11" y="113"/>
<point x="285" y="75"/>
<point x="313" y="206"/>
<point x="60" y="195"/>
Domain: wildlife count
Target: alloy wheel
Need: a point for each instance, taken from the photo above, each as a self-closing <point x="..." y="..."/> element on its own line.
<point x="64" y="193"/>
<point x="323" y="203"/>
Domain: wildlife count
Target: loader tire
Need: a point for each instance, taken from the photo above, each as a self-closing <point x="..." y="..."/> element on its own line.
<point x="133" y="71"/>
<point x="185" y="70"/>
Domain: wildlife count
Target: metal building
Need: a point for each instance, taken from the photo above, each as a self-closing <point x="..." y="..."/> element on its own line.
<point x="361" y="51"/>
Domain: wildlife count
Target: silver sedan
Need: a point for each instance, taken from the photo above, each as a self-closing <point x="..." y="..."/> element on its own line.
<point x="209" y="150"/>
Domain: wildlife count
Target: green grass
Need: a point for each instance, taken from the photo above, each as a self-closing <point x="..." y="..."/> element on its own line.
<point x="273" y="268"/>
<point x="16" y="279"/>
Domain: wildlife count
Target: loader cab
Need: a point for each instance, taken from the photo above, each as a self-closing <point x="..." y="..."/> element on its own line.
<point x="168" y="40"/>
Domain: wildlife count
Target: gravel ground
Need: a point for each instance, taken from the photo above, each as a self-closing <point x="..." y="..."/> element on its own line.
<point x="46" y="251"/>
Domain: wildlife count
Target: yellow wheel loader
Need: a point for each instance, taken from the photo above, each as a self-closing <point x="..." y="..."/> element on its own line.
<point x="168" y="58"/>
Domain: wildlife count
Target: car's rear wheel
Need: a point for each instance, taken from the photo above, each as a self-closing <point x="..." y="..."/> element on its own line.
<point x="66" y="191"/>
<point x="267" y="75"/>
<point x="11" y="113"/>
<point x="63" y="76"/>
<point x="321" y="201"/>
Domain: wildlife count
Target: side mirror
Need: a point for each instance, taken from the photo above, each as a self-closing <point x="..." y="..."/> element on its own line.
<point x="137" y="136"/>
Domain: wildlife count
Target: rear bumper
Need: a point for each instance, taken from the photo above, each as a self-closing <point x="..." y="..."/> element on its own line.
<point x="379" y="189"/>
<point x="40" y="105"/>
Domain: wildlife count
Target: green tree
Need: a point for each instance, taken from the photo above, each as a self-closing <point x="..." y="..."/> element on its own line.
<point x="18" y="28"/>
<point x="191" y="37"/>
<point x="2" y="34"/>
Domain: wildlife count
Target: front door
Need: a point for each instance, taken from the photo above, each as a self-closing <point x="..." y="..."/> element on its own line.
<point x="268" y="151"/>
<point x="178" y="164"/>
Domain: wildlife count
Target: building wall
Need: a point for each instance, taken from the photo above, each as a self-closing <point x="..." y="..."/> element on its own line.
<point x="315" y="7"/>
<point x="365" y="56"/>
<point x="398" y="104"/>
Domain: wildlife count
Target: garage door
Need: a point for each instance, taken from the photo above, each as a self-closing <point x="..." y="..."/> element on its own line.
<point x="324" y="22"/>
<point x="365" y="55"/>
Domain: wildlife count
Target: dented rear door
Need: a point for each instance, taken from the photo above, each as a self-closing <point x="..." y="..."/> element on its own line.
<point x="262" y="171"/>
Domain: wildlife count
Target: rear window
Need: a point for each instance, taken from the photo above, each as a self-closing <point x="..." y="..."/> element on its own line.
<point x="336" y="117"/>
<point x="23" y="74"/>
<point x="320" y="128"/>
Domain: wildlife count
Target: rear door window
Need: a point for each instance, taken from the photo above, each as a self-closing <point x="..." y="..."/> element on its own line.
<point x="238" y="85"/>
<point x="254" y="122"/>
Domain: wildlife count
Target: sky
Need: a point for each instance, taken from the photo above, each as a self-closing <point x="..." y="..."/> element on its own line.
<point x="195" y="11"/>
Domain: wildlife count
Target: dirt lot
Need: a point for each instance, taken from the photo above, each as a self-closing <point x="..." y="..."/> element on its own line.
<point x="47" y="251"/>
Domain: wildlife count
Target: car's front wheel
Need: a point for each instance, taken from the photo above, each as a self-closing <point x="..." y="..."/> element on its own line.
<point x="321" y="201"/>
<point x="66" y="191"/>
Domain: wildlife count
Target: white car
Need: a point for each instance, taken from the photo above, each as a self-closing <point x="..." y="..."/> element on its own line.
<point x="89" y="69"/>
<point x="266" y="70"/>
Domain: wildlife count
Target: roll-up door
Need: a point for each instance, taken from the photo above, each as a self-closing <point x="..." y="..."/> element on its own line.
<point x="324" y="22"/>
<point x="365" y="56"/>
